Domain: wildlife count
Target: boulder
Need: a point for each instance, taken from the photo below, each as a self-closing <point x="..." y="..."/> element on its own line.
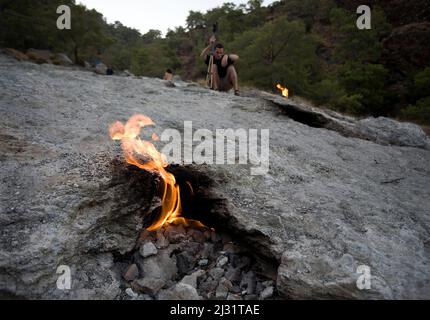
<point x="18" y="55"/>
<point x="101" y="68"/>
<point x="39" y="56"/>
<point x="61" y="59"/>
<point x="385" y="130"/>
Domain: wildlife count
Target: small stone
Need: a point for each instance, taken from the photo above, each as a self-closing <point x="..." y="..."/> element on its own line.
<point x="208" y="286"/>
<point x="233" y="274"/>
<point x="207" y="250"/>
<point x="162" y="242"/>
<point x="131" y="293"/>
<point x="235" y="289"/>
<point x="221" y="292"/>
<point x="131" y="273"/>
<point x="180" y="291"/>
<point x="223" y="288"/>
<point x="146" y="235"/>
<point x="148" y="249"/>
<point x="266" y="293"/>
<point x="193" y="248"/>
<point x="192" y="279"/>
<point x="197" y="235"/>
<point x="222" y="262"/>
<point x="216" y="273"/>
<point x="234" y="297"/>
<point x="203" y="262"/>
<point x="150" y="285"/>
<point x="227" y="283"/>
<point x="175" y="234"/>
<point x="248" y="282"/>
<point x="268" y="283"/>
<point x="160" y="266"/>
<point x="185" y="262"/>
<point x="258" y="288"/>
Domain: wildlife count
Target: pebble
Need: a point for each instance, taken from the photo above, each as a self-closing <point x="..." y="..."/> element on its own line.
<point x="131" y="293"/>
<point x="216" y="273"/>
<point x="266" y="293"/>
<point x="132" y="273"/>
<point x="203" y="262"/>
<point x="222" y="262"/>
<point x="148" y="249"/>
<point x="150" y="285"/>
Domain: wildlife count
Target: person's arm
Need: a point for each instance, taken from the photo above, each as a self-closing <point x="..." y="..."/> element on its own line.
<point x="232" y="57"/>
<point x="206" y="50"/>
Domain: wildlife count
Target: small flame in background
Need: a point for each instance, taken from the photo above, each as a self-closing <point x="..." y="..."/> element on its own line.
<point x="283" y="90"/>
<point x="144" y="155"/>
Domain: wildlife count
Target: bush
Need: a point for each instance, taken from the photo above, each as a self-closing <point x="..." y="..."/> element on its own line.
<point x="419" y="112"/>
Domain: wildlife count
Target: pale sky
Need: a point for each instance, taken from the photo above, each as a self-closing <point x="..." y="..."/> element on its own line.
<point x="144" y="15"/>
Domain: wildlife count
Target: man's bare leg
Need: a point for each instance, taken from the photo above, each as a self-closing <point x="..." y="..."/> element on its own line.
<point x="232" y="76"/>
<point x="215" y="77"/>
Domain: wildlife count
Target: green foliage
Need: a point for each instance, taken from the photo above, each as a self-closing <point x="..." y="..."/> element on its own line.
<point x="355" y="44"/>
<point x="422" y="83"/>
<point x="279" y="51"/>
<point x="419" y="112"/>
<point x="327" y="91"/>
<point x="309" y="11"/>
<point x="152" y="60"/>
<point x="313" y="47"/>
<point x="367" y="80"/>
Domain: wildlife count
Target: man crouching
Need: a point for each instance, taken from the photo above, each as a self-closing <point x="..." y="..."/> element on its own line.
<point x="223" y="74"/>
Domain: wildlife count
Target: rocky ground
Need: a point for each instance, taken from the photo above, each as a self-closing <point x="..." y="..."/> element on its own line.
<point x="340" y="193"/>
<point x="195" y="263"/>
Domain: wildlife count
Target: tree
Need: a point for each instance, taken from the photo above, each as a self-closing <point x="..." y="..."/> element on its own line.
<point x="279" y="51"/>
<point x="195" y="20"/>
<point x="151" y="36"/>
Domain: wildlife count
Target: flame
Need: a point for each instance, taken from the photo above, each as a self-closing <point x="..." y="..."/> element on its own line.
<point x="144" y="155"/>
<point x="283" y="90"/>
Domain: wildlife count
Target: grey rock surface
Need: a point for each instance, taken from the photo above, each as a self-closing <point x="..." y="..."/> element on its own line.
<point x="397" y="133"/>
<point x="148" y="249"/>
<point x="180" y="291"/>
<point x="330" y="202"/>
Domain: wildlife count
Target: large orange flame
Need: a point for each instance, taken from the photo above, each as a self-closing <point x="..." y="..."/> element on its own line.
<point x="283" y="90"/>
<point x="144" y="155"/>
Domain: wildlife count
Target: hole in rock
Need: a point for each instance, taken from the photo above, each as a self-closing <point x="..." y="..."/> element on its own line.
<point x="315" y="119"/>
<point x="306" y="117"/>
<point x="188" y="261"/>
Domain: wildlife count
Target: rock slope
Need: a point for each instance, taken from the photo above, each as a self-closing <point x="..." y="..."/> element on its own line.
<point x="331" y="201"/>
